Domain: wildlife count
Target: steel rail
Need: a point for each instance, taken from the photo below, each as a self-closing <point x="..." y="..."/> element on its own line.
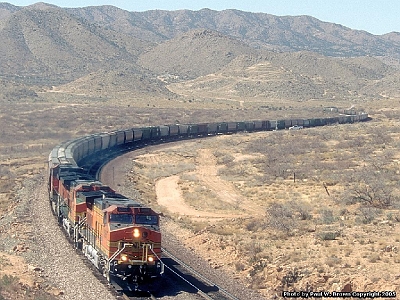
<point x="198" y="275"/>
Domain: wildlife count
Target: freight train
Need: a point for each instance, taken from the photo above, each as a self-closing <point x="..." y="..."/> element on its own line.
<point x="120" y="236"/>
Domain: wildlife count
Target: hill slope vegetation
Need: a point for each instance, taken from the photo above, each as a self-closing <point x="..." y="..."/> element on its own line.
<point x="221" y="54"/>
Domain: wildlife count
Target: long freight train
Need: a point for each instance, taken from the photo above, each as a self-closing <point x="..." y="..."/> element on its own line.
<point x="120" y="236"/>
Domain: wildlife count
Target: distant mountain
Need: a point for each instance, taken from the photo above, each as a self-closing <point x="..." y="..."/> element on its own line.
<point x="46" y="42"/>
<point x="115" y="82"/>
<point x="103" y="50"/>
<point x="193" y="54"/>
<point x="295" y="76"/>
<point x="6" y="10"/>
<point x="259" y="30"/>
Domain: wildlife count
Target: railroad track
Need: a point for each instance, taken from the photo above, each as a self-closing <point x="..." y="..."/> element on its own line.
<point x="131" y="296"/>
<point x="91" y="153"/>
<point x="199" y="284"/>
<point x="203" y="286"/>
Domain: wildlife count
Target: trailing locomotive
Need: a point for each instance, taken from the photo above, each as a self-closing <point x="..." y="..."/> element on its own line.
<point x="120" y="236"/>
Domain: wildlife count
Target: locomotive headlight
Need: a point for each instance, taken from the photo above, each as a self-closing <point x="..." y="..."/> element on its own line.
<point x="136" y="233"/>
<point x="151" y="259"/>
<point x="124" y="257"/>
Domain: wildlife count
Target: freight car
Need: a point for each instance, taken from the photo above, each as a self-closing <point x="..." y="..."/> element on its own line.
<point x="120" y="236"/>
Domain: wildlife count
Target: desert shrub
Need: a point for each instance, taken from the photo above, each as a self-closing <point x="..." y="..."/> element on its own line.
<point x="327" y="216"/>
<point x="258" y="282"/>
<point x="223" y="158"/>
<point x="368" y="214"/>
<point x="8" y="283"/>
<point x="6" y="185"/>
<point x="239" y="266"/>
<point x="280" y="216"/>
<point x="8" y="280"/>
<point x="393" y="216"/>
<point x="302" y="208"/>
<point x="374" y="257"/>
<point x="291" y="277"/>
<point x="374" y="187"/>
<point x="327" y="235"/>
<point x="189" y="177"/>
<point x="333" y="261"/>
<point x="222" y="230"/>
<point x="254" y="224"/>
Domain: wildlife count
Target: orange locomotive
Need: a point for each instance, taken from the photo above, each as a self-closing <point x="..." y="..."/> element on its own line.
<point x="118" y="235"/>
<point x="121" y="237"/>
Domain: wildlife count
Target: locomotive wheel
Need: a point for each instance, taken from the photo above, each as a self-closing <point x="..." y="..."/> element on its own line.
<point x="79" y="245"/>
<point x="104" y="268"/>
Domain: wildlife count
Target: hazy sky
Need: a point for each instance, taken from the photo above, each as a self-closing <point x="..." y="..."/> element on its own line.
<point x="374" y="16"/>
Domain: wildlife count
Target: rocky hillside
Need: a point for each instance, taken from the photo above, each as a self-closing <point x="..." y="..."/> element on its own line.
<point x="103" y="50"/>
<point x="193" y="54"/>
<point x="288" y="33"/>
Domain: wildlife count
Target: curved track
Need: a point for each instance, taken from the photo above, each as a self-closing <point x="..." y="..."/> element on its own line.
<point x="197" y="283"/>
<point x="90" y="154"/>
<point x="203" y="286"/>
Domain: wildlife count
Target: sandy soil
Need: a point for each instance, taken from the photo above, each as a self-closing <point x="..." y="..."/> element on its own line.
<point x="169" y="195"/>
<point x="363" y="258"/>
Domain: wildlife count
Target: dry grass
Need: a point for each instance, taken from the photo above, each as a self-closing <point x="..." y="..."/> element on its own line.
<point x="319" y="235"/>
<point x="304" y="185"/>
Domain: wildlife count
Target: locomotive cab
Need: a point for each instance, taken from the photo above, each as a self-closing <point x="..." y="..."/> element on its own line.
<point x="134" y="230"/>
<point x="127" y="235"/>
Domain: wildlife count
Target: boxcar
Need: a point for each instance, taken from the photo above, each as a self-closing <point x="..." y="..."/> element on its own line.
<point x="113" y="139"/>
<point x="288" y="123"/>
<point x="97" y="142"/>
<point x="146" y="133"/>
<point x="155" y="133"/>
<point x="90" y="141"/>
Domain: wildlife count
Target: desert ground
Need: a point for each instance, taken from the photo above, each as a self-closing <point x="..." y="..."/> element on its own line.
<point x="284" y="210"/>
<point x="314" y="209"/>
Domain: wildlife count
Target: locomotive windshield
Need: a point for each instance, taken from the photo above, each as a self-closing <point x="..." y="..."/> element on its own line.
<point x="146" y="220"/>
<point x="121" y="218"/>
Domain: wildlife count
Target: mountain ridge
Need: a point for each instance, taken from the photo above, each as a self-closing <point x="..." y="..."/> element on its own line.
<point x="104" y="49"/>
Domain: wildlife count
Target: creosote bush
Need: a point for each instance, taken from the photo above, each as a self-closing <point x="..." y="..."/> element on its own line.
<point x="327" y="235"/>
<point x="280" y="216"/>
